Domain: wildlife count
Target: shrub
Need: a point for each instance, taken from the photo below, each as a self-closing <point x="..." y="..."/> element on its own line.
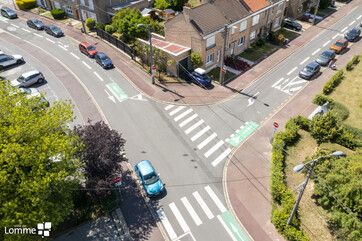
<point x="312" y="9"/>
<point x="303" y="122"/>
<point x="325" y="128"/>
<point x="236" y="63"/>
<point x="90" y="22"/>
<point x="348" y="140"/>
<point x="110" y="29"/>
<point x="321" y="99"/>
<point x="260" y="42"/>
<point x="58" y="13"/>
<point x="353" y="130"/>
<point x="26" y="4"/>
<point x="353" y="62"/>
<point x="340" y="111"/>
<point x="100" y="26"/>
<point x="355" y="59"/>
<point x="333" y="82"/>
<point x="196" y="60"/>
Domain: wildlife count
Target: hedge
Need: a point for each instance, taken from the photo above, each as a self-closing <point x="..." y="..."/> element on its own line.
<point x="58" y="13"/>
<point x="110" y="29"/>
<point x="352" y="63"/>
<point x="333" y="82"/>
<point x="321" y="99"/>
<point x="90" y="23"/>
<point x="26" y="4"/>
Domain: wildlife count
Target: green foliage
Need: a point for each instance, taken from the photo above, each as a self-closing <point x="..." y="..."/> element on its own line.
<point x="333" y="82"/>
<point x="355" y="59"/>
<point x="323" y="4"/>
<point x="196" y="60"/>
<point x="325" y="128"/>
<point x="302" y="122"/>
<point x="173" y="4"/>
<point x="161" y="4"/>
<point x="26" y="4"/>
<point x="159" y="58"/>
<point x="350" y="65"/>
<point x="38" y="164"/>
<point x="100" y="26"/>
<point x="90" y="23"/>
<point x="340" y="111"/>
<point x="170" y="62"/>
<point x="321" y="99"/>
<point x="110" y="29"/>
<point x="157" y="27"/>
<point x="58" y="13"/>
<point x="260" y="42"/>
<point x="312" y="9"/>
<point x="353" y="130"/>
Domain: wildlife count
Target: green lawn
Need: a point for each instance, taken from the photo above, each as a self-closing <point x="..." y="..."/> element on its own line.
<point x="255" y="53"/>
<point x="325" y="11"/>
<point x="288" y="34"/>
<point x="215" y="74"/>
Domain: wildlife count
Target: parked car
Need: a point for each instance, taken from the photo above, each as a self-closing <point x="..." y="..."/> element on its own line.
<point x="35" y="24"/>
<point x="340" y="45"/>
<point x="8" y="13"/>
<point x="310" y="70"/>
<point x="34" y="93"/>
<point x="292" y="24"/>
<point x="53" y="30"/>
<point x="103" y="60"/>
<point x="149" y="178"/>
<point x="2" y="53"/>
<point x="353" y="34"/>
<point x="199" y="76"/>
<point x="29" y="78"/>
<point x="87" y="49"/>
<point x="8" y="60"/>
<point x="325" y="57"/>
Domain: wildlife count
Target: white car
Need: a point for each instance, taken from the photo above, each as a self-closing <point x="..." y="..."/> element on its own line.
<point x="8" y="60"/>
<point x="28" y="78"/>
<point x="30" y="92"/>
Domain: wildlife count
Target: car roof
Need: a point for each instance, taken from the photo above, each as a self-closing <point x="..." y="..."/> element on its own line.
<point x="313" y="64"/>
<point x="200" y="71"/>
<point x="342" y="40"/>
<point x="6" y="8"/>
<point x="101" y="54"/>
<point x="145" y="167"/>
<point x="29" y="73"/>
<point x="330" y="51"/>
<point x="86" y="44"/>
<point x="354" y="29"/>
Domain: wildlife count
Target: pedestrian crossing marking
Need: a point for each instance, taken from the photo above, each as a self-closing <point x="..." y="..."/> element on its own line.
<point x="169" y="107"/>
<point x="194" y="126"/>
<point x="188" y="120"/>
<point x="166" y="224"/>
<point x="176" y="110"/>
<point x="183" y="115"/>
<point x="221" y="157"/>
<point x="203" y="205"/>
<point x="206" y="141"/>
<point x="200" y="133"/>
<point x="215" y="199"/>
<point x="214" y="148"/>
<point x="191" y="211"/>
<point x="179" y="217"/>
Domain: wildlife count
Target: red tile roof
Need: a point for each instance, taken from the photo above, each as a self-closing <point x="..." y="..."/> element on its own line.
<point x="168" y="47"/>
<point x="256" y="5"/>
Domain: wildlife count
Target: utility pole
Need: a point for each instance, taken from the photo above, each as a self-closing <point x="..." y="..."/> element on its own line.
<point x="315" y="12"/>
<point x="81" y="18"/>
<point x="225" y="33"/>
<point x="151" y="58"/>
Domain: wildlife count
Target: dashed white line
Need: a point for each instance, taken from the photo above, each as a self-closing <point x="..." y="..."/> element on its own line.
<point x="191" y="210"/>
<point x="169" y="107"/>
<point x="221" y="157"/>
<point x="215" y="199"/>
<point x="179" y="217"/>
<point x="326" y="43"/>
<point x="200" y="133"/>
<point x="63" y="47"/>
<point x="203" y="205"/>
<point x="183" y="115"/>
<point x="86" y="65"/>
<point x="335" y="36"/>
<point x="304" y="60"/>
<point x="50" y="40"/>
<point x="14" y="25"/>
<point x="176" y="110"/>
<point x="188" y="120"/>
<point x="352" y="22"/>
<point x="194" y="126"/>
<point x="206" y="141"/>
<point x="40" y="36"/>
<point x="26" y="30"/>
<point x="75" y="56"/>
<point x="96" y="74"/>
<point x="166" y="224"/>
<point x="360" y="16"/>
<point x="214" y="148"/>
<point x="316" y="51"/>
<point x="292" y="70"/>
<point x="343" y="29"/>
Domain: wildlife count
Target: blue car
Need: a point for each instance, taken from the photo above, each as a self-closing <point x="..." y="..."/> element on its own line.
<point x="199" y="76"/>
<point x="103" y="60"/>
<point x="149" y="178"/>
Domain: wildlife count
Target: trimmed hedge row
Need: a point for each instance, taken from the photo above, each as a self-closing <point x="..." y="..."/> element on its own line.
<point x="58" y="13"/>
<point x="321" y="99"/>
<point x="283" y="198"/>
<point x="25" y="4"/>
<point x="352" y="63"/>
<point x="333" y="82"/>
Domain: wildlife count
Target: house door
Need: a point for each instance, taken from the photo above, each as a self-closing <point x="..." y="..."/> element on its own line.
<point x="183" y="68"/>
<point x="232" y="48"/>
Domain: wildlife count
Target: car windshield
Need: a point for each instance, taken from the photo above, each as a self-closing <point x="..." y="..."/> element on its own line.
<point x="105" y="58"/>
<point x="54" y="28"/>
<point x="309" y="68"/>
<point x="150" y="178"/>
<point x="325" y="55"/>
<point x="36" y="21"/>
<point x="21" y="79"/>
<point x="90" y="48"/>
<point x="339" y="44"/>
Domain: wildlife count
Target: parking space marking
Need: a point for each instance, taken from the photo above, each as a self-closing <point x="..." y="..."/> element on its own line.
<point x="326" y="43"/>
<point x="292" y="71"/>
<point x="99" y="77"/>
<point x="352" y="22"/>
<point x="304" y="60"/>
<point x="75" y="56"/>
<point x="50" y="40"/>
<point x="40" y="36"/>
<point x="14" y="25"/>
<point x="24" y="29"/>
<point x="343" y="29"/>
<point x="316" y="51"/>
<point x="335" y="36"/>
<point x="86" y="65"/>
<point x="277" y="82"/>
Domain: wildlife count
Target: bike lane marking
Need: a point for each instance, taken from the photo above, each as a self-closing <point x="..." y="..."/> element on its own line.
<point x="231" y="227"/>
<point x="117" y="92"/>
<point x="243" y="133"/>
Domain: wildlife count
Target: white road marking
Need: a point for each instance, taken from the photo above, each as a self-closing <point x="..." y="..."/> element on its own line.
<point x="169" y="107"/>
<point x="215" y="199"/>
<point x="326" y="43"/>
<point x="335" y="36"/>
<point x="14" y="25"/>
<point x="183" y="115"/>
<point x="295" y="89"/>
<point x="4" y="20"/>
<point x="221" y="157"/>
<point x="316" y="51"/>
<point x="179" y="217"/>
<point x="176" y="110"/>
<point x="277" y="82"/>
<point x="26" y="30"/>
<point x="292" y="71"/>
<point x="86" y="65"/>
<point x="188" y="120"/>
<point x="194" y="126"/>
<point x="75" y="56"/>
<point x="62" y="47"/>
<point x="214" y="148"/>
<point x="360" y="16"/>
<point x="252" y="99"/>
<point x="226" y="228"/>
<point x="191" y="210"/>
<point x="352" y="22"/>
<point x="343" y="29"/>
<point x="206" y="141"/>
<point x="200" y="133"/>
<point x="50" y="40"/>
<point x="96" y="74"/>
<point x="304" y="60"/>
<point x="40" y="36"/>
<point x="203" y="205"/>
<point x="166" y="224"/>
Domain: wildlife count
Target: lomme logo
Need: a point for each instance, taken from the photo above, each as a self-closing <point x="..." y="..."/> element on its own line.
<point x="43" y="230"/>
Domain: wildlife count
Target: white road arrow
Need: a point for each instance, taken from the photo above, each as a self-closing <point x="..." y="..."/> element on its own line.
<point x="235" y="230"/>
<point x="138" y="97"/>
<point x="111" y="97"/>
<point x="251" y="100"/>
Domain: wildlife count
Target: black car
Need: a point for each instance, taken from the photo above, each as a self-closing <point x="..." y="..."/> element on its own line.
<point x="103" y="60"/>
<point x="353" y="34"/>
<point x="310" y="70"/>
<point x="325" y="57"/>
<point x="8" y="13"/>
<point x="35" y="24"/>
<point x="292" y="24"/>
<point x="54" y="31"/>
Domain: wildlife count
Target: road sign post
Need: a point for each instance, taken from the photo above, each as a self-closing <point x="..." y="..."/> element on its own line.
<point x="118" y="183"/>
<point x="224" y="70"/>
<point x="154" y="68"/>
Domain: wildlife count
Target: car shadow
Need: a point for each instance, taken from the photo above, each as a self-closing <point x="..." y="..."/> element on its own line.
<point x="13" y="66"/>
<point x="316" y="76"/>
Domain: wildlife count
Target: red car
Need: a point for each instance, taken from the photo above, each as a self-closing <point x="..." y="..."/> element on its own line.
<point x="87" y="49"/>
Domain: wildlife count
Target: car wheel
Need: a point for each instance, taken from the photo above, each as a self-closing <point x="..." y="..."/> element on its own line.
<point x="19" y="61"/>
<point x="40" y="80"/>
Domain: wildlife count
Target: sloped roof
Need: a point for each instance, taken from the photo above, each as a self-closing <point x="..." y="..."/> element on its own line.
<point x="255" y="5"/>
<point x="233" y="10"/>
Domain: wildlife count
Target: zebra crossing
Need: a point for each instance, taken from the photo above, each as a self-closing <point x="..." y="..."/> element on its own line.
<point x="190" y="211"/>
<point x="289" y="86"/>
<point x="201" y="134"/>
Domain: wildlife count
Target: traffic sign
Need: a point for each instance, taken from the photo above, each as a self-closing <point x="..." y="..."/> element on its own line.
<point x="118" y="181"/>
<point x="224" y="70"/>
<point x="275" y="124"/>
<point x="154" y="67"/>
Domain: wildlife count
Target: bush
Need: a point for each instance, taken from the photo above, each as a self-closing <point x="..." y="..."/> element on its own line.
<point x="340" y="111"/>
<point x="325" y="128"/>
<point x="355" y="59"/>
<point x="110" y="29"/>
<point x="349" y="66"/>
<point x="57" y="13"/>
<point x="333" y="82"/>
<point x="260" y="42"/>
<point x="91" y="23"/>
<point x="100" y="26"/>
<point x="321" y="99"/>
<point x="352" y="63"/>
<point x="196" y="60"/>
<point x="302" y="122"/>
<point x="236" y="63"/>
<point x="353" y="130"/>
<point x="26" y="4"/>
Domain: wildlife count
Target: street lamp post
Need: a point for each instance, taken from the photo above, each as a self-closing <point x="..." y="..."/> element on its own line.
<point x="299" y="168"/>
<point x="151" y="56"/>
<point x="81" y="18"/>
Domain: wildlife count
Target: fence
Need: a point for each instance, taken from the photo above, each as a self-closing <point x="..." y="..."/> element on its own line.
<point x="116" y="42"/>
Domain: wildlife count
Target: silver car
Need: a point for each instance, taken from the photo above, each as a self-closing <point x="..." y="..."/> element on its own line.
<point x="310" y="70"/>
<point x="28" y="78"/>
<point x="8" y="60"/>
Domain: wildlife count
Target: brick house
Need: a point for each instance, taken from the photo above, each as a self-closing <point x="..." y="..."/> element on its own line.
<point x="296" y="8"/>
<point x="202" y="28"/>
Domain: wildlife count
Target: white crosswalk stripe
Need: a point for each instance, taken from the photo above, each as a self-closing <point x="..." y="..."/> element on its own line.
<point x="176" y="110"/>
<point x="214" y="148"/>
<point x="221" y="157"/>
<point x="191" y="210"/>
<point x="215" y="199"/>
<point x="182" y="124"/>
<point x="203" y="205"/>
<point x="194" y="126"/>
<point x="200" y="133"/>
<point x="179" y="217"/>
<point x="169" y="107"/>
<point x="206" y="141"/>
<point x="166" y="224"/>
<point x="183" y="115"/>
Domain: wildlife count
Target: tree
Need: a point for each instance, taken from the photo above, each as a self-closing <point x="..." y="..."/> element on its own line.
<point x="323" y="4"/>
<point x="90" y="22"/>
<point x="162" y="4"/>
<point x="196" y="60"/>
<point x="101" y="155"/>
<point x="325" y="128"/>
<point x="160" y="58"/>
<point x="39" y="169"/>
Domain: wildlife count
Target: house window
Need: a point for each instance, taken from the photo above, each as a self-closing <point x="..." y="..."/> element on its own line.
<point x="264" y="14"/>
<point x="233" y="29"/>
<point x="241" y="42"/>
<point x="68" y="10"/>
<point x="210" y="42"/>
<point x="280" y="7"/>
<point x="252" y="35"/>
<point x="255" y="19"/>
<point x="57" y="5"/>
<point x="82" y="2"/>
<point x="90" y="2"/>
<point x="276" y="23"/>
<point x="209" y="59"/>
<point x="243" y="26"/>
